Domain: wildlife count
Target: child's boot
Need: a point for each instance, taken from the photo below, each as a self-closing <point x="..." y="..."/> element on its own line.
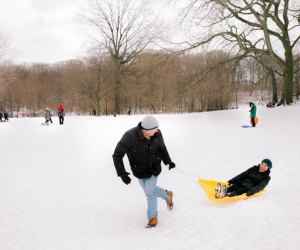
<point x="218" y="190"/>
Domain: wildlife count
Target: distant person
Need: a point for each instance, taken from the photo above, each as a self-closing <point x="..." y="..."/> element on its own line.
<point x="252" y="113"/>
<point x="271" y="104"/>
<point x="250" y="182"/>
<point x="94" y="112"/>
<point x="129" y="112"/>
<point x="48" y="116"/>
<point x="5" y="116"/>
<point x="145" y="149"/>
<point x="61" y="114"/>
<point x="1" y="116"/>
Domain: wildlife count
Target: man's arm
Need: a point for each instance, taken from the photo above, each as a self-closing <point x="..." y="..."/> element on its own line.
<point x="163" y="150"/>
<point x="120" y="150"/>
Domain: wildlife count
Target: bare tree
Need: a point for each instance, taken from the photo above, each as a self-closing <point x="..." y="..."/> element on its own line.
<point x="121" y="30"/>
<point x="93" y="84"/>
<point x="269" y="28"/>
<point x="5" y="49"/>
<point x="7" y="74"/>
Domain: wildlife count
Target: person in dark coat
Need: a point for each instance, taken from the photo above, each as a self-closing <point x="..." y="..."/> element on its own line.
<point x="1" y="115"/>
<point x="145" y="148"/>
<point x="5" y="116"/>
<point x="250" y="182"/>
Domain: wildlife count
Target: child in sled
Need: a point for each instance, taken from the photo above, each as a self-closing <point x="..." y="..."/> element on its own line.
<point x="250" y="182"/>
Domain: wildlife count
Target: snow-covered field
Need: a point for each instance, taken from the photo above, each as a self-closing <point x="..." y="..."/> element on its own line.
<point x="59" y="188"/>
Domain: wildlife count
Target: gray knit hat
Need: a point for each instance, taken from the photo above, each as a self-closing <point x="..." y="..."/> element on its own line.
<point x="149" y="122"/>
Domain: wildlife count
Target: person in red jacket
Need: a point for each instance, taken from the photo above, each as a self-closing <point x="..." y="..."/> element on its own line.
<point x="61" y="114"/>
<point x="61" y="107"/>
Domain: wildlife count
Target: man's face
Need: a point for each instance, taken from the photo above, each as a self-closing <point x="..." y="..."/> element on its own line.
<point x="149" y="133"/>
<point x="263" y="167"/>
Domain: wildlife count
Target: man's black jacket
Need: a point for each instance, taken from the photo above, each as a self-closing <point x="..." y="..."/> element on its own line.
<point x="252" y="179"/>
<point x="144" y="155"/>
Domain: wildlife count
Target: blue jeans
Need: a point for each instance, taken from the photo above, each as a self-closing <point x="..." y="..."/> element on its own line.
<point x="152" y="192"/>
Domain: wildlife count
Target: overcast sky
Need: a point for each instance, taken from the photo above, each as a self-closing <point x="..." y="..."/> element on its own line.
<point x="43" y="30"/>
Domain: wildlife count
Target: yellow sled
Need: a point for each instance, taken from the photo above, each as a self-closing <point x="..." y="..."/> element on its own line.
<point x="209" y="188"/>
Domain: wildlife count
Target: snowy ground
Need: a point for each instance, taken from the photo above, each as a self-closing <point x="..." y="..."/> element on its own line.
<point x="59" y="188"/>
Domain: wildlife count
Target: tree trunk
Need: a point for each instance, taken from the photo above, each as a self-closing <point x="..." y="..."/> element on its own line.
<point x="297" y="79"/>
<point x="117" y="96"/>
<point x="297" y="90"/>
<point x="274" y="86"/>
<point x="98" y="107"/>
<point x="288" y="75"/>
<point x="117" y="87"/>
<point x="287" y="93"/>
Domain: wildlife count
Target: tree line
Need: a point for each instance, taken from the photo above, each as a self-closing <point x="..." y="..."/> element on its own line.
<point x="253" y="47"/>
<point x="155" y="83"/>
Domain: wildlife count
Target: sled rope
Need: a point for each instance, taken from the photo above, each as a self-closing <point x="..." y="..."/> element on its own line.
<point x="190" y="176"/>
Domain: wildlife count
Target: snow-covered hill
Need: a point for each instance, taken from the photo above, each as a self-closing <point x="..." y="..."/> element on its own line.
<point x="59" y="189"/>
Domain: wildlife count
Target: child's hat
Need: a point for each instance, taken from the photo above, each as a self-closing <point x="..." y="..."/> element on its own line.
<point x="268" y="162"/>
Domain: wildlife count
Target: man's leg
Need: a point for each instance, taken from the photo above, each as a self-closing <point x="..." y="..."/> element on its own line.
<point x="149" y="189"/>
<point x="152" y="192"/>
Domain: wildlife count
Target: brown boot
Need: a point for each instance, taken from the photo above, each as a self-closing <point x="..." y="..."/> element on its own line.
<point x="170" y="200"/>
<point x="152" y="222"/>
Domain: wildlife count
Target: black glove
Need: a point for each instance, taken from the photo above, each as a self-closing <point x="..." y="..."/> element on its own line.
<point x="125" y="178"/>
<point x="249" y="193"/>
<point x="171" y="165"/>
